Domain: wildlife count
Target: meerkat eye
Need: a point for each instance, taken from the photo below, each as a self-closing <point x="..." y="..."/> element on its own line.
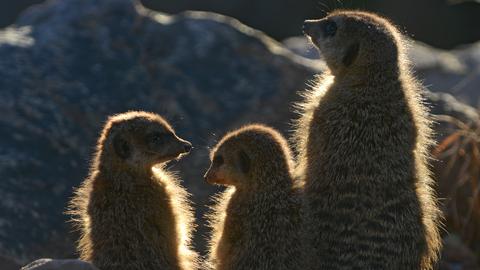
<point x="218" y="160"/>
<point x="330" y="28"/>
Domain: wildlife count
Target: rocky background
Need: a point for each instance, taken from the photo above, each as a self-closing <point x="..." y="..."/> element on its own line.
<point x="66" y="65"/>
<point x="429" y="21"/>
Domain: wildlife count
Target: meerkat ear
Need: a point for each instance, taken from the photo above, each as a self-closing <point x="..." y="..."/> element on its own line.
<point x="244" y="161"/>
<point x="121" y="146"/>
<point x="351" y="54"/>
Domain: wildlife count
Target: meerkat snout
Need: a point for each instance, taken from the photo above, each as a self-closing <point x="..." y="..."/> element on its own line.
<point x="316" y="29"/>
<point x="307" y="27"/>
<point x="172" y="146"/>
<point x="182" y="148"/>
<point x="221" y="172"/>
<point x="209" y="176"/>
<point x="167" y="146"/>
<point x="187" y="147"/>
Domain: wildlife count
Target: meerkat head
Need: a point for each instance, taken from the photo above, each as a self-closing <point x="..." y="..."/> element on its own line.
<point x="249" y="157"/>
<point x="354" y="41"/>
<point x="140" y="139"/>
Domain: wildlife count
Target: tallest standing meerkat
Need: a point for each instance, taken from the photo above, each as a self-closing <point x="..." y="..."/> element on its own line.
<point x="363" y="141"/>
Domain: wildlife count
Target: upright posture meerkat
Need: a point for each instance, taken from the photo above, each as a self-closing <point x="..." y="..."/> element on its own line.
<point x="256" y="220"/>
<point x="363" y="141"/>
<point x="131" y="214"/>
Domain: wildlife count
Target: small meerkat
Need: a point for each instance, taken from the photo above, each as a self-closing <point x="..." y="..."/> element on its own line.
<point x="363" y="140"/>
<point x="131" y="213"/>
<point x="255" y="222"/>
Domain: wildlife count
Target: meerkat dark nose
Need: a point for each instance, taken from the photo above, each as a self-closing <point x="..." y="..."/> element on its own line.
<point x="308" y="26"/>
<point x="188" y="147"/>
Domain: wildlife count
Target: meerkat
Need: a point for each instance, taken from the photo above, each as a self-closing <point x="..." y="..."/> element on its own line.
<point x="131" y="212"/>
<point x="255" y="222"/>
<point x="362" y="140"/>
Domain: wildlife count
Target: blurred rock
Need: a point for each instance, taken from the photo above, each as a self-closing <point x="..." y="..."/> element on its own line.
<point x="456" y="72"/>
<point x="49" y="264"/>
<point x="457" y="256"/>
<point x="428" y="20"/>
<point x="446" y="104"/>
<point x="9" y="10"/>
<point x="66" y="65"/>
<point x="301" y="46"/>
<point x="8" y="263"/>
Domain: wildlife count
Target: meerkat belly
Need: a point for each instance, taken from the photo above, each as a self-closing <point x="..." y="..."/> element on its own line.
<point x="370" y="230"/>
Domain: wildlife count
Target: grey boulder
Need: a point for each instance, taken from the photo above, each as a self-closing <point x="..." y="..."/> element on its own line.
<point x="50" y="264"/>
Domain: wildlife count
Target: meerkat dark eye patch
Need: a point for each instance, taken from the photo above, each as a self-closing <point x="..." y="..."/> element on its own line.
<point x="158" y="138"/>
<point x="351" y="54"/>
<point x="121" y="147"/>
<point x="244" y="161"/>
<point x="218" y="160"/>
<point x="329" y="28"/>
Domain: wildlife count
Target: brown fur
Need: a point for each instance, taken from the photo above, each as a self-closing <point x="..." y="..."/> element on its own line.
<point x="132" y="214"/>
<point x="256" y="221"/>
<point x="363" y="141"/>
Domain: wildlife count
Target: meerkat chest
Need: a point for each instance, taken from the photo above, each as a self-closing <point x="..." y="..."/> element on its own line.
<point x="146" y="206"/>
<point x="255" y="219"/>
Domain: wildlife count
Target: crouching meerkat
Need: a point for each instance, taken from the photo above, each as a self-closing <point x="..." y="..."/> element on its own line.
<point x="363" y="139"/>
<point x="256" y="220"/>
<point x="131" y="214"/>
